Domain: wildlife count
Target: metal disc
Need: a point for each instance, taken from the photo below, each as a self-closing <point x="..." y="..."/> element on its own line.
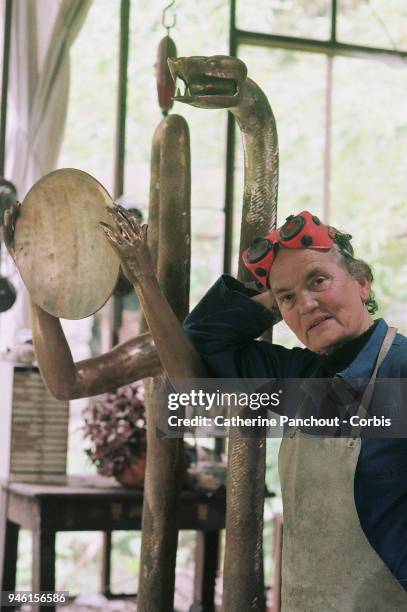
<point x="62" y="254"/>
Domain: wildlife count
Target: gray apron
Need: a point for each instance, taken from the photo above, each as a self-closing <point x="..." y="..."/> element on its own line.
<point x="328" y="563"/>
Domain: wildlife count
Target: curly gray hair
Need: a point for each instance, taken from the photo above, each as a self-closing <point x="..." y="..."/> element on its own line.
<point x="343" y="250"/>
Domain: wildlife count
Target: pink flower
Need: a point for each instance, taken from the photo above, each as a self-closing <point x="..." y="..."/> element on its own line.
<point x="115" y="426"/>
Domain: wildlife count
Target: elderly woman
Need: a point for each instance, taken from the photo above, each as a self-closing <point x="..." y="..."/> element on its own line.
<point x="344" y="498"/>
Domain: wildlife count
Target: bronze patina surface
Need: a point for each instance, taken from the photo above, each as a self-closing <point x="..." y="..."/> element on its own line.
<point x="218" y="82"/>
<point x="60" y="251"/>
<point x="164" y="296"/>
<point x="222" y="82"/>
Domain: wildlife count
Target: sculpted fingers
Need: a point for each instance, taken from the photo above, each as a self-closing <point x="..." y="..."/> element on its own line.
<point x="11" y="216"/>
<point x="135" y="223"/>
<point x="121" y="222"/>
<point x="7" y="236"/>
<point x="128" y="224"/>
<point x="130" y="219"/>
<point x="112" y="234"/>
<point x="9" y="220"/>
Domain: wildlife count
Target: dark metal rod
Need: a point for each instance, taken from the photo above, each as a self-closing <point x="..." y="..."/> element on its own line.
<point x="106" y="564"/>
<point x="230" y="159"/>
<point x="229" y="194"/>
<point x="333" y="20"/>
<point x="326" y="203"/>
<point x="319" y="46"/>
<point x="120" y="143"/>
<point x="4" y="84"/>
<point x="121" y="99"/>
<point x="229" y="183"/>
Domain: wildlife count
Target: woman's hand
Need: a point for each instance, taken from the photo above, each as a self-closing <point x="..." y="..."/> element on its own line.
<point x="129" y="240"/>
<point x="9" y="227"/>
<point x="267" y="300"/>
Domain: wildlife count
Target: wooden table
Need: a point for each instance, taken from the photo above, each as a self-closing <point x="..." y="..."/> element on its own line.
<point x="95" y="503"/>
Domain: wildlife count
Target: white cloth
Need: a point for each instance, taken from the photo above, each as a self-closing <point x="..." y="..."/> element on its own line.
<point x="41" y="36"/>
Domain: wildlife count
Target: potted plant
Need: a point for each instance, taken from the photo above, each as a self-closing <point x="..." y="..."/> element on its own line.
<point x="115" y="425"/>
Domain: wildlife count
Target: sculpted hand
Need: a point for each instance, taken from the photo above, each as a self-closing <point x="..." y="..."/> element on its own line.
<point x="129" y="240"/>
<point x="9" y="226"/>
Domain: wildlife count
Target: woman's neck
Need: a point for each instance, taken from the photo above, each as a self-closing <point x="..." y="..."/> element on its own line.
<point x="342" y="356"/>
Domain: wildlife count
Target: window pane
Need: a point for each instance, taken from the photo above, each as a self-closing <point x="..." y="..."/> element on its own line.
<point x="288" y="17"/>
<point x="369" y="187"/>
<point x="378" y="23"/>
<point x="90" y="131"/>
<point x="207" y="250"/>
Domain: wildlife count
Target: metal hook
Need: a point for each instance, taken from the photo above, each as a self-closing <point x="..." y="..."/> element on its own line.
<point x="174" y="19"/>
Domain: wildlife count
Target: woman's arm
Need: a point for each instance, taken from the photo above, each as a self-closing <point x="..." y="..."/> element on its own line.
<point x="224" y="327"/>
<point x="229" y="316"/>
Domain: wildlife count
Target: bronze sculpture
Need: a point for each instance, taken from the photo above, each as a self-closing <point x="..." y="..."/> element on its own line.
<point x="218" y="82"/>
<point x="55" y="239"/>
<point x="221" y="82"/>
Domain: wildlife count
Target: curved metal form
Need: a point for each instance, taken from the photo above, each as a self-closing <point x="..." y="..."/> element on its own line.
<point x="64" y="260"/>
<point x="221" y="82"/>
<point x="169" y="242"/>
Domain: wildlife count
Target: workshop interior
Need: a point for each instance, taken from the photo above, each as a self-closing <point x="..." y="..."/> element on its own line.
<point x="190" y="130"/>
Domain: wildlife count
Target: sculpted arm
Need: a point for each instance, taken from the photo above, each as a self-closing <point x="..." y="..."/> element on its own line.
<point x="133" y="360"/>
<point x="130" y="361"/>
<point x="178" y="355"/>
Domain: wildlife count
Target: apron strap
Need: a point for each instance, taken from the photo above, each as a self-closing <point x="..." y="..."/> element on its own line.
<point x="368" y="393"/>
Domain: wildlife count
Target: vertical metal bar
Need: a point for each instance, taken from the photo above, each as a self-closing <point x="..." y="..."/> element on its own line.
<point x="121" y="99"/>
<point x="232" y="29"/>
<point x="229" y="182"/>
<point x="326" y="198"/>
<point x="4" y="83"/>
<point x="206" y="567"/>
<point x="119" y="158"/>
<point x="106" y="564"/>
<point x="230" y="159"/>
<point x="334" y="9"/>
<point x="170" y="213"/>
<point x="229" y="194"/>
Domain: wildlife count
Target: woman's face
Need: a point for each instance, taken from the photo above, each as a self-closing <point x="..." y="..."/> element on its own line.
<point x="318" y="299"/>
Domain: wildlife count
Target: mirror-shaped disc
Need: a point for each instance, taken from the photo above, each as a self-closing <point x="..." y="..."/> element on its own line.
<point x="62" y="254"/>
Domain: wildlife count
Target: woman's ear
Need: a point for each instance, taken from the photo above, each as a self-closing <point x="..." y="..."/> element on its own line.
<point x="365" y="287"/>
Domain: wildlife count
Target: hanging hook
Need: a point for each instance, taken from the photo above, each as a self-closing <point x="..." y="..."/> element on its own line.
<point x="174" y="19"/>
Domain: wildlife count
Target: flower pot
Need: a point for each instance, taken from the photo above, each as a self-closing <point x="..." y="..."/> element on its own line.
<point x="132" y="476"/>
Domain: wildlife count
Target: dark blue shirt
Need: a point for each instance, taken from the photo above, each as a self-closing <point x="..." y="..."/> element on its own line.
<point x="224" y="327"/>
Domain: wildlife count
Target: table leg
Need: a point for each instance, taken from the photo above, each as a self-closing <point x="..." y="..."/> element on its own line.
<point x="8" y="548"/>
<point x="10" y="557"/>
<point x="43" y="563"/>
<point x="106" y="560"/>
<point x="206" y="567"/>
<point x="278" y="551"/>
